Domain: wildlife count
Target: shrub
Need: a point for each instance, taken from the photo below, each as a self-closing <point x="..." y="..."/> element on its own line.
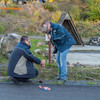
<point x="56" y="16"/>
<point x="3" y="13"/>
<point x="75" y="12"/>
<point x="59" y="0"/>
<point x="10" y="11"/>
<point x="93" y="10"/>
<point x="88" y="29"/>
<point x="2" y="28"/>
<point x="36" y="16"/>
<point x="50" y="6"/>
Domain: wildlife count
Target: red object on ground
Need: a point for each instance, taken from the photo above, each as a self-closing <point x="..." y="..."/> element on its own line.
<point x="44" y="88"/>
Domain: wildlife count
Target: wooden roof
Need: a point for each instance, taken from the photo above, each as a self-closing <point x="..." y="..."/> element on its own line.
<point x="66" y="21"/>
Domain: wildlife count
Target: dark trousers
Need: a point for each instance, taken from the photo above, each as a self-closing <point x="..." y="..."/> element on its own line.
<point x="24" y="79"/>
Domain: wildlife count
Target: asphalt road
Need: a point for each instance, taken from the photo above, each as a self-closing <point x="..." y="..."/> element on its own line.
<point x="57" y="92"/>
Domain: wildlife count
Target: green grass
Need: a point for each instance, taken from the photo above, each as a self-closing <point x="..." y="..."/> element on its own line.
<point x="2" y="28"/>
<point x="91" y="83"/>
<point x="84" y="73"/>
<point x="51" y="70"/>
<point x="3" y="59"/>
<point x="47" y="73"/>
<point x="57" y="82"/>
<point x="34" y="43"/>
<point x="3" y="70"/>
<point x="34" y="46"/>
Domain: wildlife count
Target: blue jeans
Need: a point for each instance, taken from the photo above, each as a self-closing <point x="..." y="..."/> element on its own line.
<point x="61" y="59"/>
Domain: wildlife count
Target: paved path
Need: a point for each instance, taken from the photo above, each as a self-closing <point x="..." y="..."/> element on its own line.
<point x="88" y="55"/>
<point x="34" y="37"/>
<point x="58" y="92"/>
<point x="85" y="48"/>
<point x="86" y="58"/>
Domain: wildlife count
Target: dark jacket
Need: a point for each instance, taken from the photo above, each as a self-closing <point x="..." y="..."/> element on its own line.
<point x="21" y="62"/>
<point x="61" y="37"/>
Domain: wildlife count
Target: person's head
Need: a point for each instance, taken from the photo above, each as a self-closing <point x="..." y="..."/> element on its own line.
<point x="46" y="26"/>
<point x="25" y="40"/>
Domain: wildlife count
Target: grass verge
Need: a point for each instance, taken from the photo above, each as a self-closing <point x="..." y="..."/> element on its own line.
<point x="3" y="60"/>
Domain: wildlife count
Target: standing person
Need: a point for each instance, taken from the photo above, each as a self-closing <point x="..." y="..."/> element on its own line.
<point x="20" y="66"/>
<point x="63" y="41"/>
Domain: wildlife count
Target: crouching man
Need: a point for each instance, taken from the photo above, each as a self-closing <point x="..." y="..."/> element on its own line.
<point x="20" y="66"/>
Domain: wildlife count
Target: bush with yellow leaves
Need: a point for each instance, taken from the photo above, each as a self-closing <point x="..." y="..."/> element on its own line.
<point x="56" y="16"/>
<point x="6" y="1"/>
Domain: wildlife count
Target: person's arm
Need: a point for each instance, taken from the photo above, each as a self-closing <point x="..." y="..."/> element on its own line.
<point x="28" y="55"/>
<point x="34" y="59"/>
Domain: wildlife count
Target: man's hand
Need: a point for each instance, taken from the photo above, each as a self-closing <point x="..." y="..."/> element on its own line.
<point x="53" y="47"/>
<point x="43" y="63"/>
<point x="49" y="36"/>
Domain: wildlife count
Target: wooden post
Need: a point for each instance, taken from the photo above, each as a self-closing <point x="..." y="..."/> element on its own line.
<point x="49" y="46"/>
<point x="49" y="52"/>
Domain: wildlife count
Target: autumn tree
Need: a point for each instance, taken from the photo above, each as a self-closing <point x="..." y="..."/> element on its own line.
<point x="6" y="2"/>
<point x="93" y="9"/>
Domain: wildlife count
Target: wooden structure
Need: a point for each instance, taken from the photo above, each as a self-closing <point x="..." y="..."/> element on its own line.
<point x="67" y="22"/>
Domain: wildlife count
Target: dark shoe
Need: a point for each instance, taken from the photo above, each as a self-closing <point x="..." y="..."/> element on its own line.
<point x="41" y="81"/>
<point x="62" y="80"/>
<point x="56" y="78"/>
<point x="28" y="81"/>
<point x="16" y="81"/>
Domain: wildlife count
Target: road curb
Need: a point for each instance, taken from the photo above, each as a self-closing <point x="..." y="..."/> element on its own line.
<point x="53" y="82"/>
